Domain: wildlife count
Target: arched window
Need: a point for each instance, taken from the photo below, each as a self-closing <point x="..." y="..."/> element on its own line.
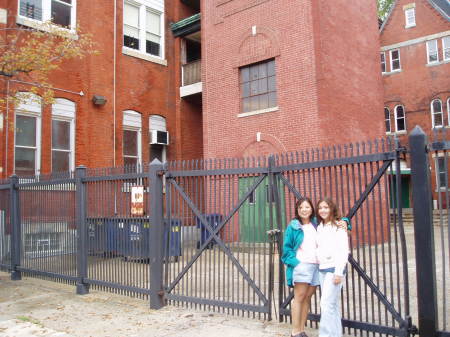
<point x="437" y="115"/>
<point x="158" y="129"/>
<point x="387" y="119"/>
<point x="400" y="118"/>
<point x="27" y="140"/>
<point x="132" y="144"/>
<point x="63" y="135"/>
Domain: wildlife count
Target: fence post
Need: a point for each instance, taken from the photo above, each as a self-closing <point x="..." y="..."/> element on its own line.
<point x="423" y="234"/>
<point x="16" y="235"/>
<point x="156" y="233"/>
<point x="80" y="220"/>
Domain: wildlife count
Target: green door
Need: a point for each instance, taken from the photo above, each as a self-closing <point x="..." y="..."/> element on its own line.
<point x="405" y="182"/>
<point x="254" y="214"/>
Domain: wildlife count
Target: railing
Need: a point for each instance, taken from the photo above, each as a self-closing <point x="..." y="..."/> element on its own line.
<point x="191" y="72"/>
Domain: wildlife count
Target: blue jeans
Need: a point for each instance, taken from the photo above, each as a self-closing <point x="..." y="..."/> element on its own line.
<point x="330" y="313"/>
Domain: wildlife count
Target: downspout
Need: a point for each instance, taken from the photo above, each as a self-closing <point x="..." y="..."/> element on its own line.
<point x="7" y="128"/>
<point x="114" y="83"/>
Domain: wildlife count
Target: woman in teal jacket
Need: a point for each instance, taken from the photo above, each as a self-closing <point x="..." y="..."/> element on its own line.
<point x="299" y="256"/>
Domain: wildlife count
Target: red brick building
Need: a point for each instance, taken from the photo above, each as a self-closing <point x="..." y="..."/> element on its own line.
<point x="415" y="64"/>
<point x="119" y="107"/>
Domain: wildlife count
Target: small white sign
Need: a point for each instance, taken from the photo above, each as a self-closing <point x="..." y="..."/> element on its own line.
<point x="137" y="200"/>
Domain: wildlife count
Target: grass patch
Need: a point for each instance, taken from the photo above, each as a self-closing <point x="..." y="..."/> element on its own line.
<point x="30" y="320"/>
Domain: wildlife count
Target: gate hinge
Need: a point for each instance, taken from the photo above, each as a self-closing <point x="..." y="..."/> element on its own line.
<point x="412" y="329"/>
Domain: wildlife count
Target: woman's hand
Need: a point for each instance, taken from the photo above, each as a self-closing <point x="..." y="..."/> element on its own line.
<point x="341" y="224"/>
<point x="337" y="279"/>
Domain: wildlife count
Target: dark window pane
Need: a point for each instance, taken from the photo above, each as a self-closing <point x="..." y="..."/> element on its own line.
<point x="262" y="84"/>
<point x="152" y="48"/>
<point x="130" y="143"/>
<point x="254" y="88"/>
<point x="401" y="124"/>
<point x="26" y="131"/>
<point x="271" y="68"/>
<point x="61" y="14"/>
<point x="156" y="152"/>
<point x="437" y="119"/>
<point x="387" y="114"/>
<point x="31" y="9"/>
<point x="264" y="101"/>
<point x="395" y="55"/>
<point x="245" y="89"/>
<point x="60" y="135"/>
<point x="263" y="70"/>
<point x="383" y="67"/>
<point x="437" y="106"/>
<point x="254" y="72"/>
<point x="400" y="112"/>
<point x="245" y="74"/>
<point x="433" y="57"/>
<point x="60" y="161"/>
<point x="388" y="126"/>
<point x="272" y="99"/>
<point x="246" y="107"/>
<point x="25" y="161"/>
<point x="129" y="161"/>
<point x="272" y="85"/>
<point x="441" y="171"/>
<point x="254" y="103"/>
<point x="395" y="65"/>
<point x="131" y="42"/>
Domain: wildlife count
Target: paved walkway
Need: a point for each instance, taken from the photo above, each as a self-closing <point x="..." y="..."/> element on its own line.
<point x="34" y="307"/>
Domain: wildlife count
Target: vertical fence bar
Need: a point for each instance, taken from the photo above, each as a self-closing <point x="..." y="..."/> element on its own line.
<point x="16" y="237"/>
<point x="156" y="233"/>
<point x="423" y="234"/>
<point x="80" y="220"/>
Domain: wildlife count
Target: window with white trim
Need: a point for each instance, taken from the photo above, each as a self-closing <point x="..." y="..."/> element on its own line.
<point x="441" y="172"/>
<point x="143" y="26"/>
<point x="387" y="119"/>
<point x="63" y="135"/>
<point x="60" y="12"/>
<point x="432" y="51"/>
<point x="27" y="140"/>
<point x="132" y="130"/>
<point x="446" y="48"/>
<point x="400" y="118"/>
<point x="383" y="62"/>
<point x="157" y="151"/>
<point x="395" y="59"/>
<point x="410" y="17"/>
<point x="448" y="110"/>
<point x="437" y="115"/>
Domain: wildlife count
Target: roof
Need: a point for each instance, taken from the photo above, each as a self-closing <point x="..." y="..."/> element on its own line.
<point x="186" y="26"/>
<point x="441" y="6"/>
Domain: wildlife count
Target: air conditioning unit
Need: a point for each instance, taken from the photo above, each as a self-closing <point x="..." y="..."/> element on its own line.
<point x="159" y="137"/>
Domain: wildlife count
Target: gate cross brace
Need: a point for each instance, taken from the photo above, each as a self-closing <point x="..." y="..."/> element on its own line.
<point x="217" y="238"/>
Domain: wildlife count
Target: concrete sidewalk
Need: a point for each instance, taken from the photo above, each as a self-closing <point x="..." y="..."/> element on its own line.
<point x="34" y="307"/>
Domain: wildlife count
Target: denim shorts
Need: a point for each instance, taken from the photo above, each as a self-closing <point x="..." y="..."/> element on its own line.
<point x="306" y="273"/>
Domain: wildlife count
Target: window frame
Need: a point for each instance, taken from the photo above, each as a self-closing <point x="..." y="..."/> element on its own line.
<point x="383" y="62"/>
<point x="445" y="47"/>
<point x="438" y="172"/>
<point x="135" y="128"/>
<point x="144" y="6"/>
<point x="46" y="15"/>
<point x="387" y="119"/>
<point x="396" y="118"/>
<point x="407" y="23"/>
<point x="433" y="113"/>
<point x="428" y="51"/>
<point x="392" y="60"/>
<point x="160" y="124"/>
<point x="448" y="110"/>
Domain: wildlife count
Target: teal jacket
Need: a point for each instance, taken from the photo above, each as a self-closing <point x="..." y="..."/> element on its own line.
<point x="293" y="238"/>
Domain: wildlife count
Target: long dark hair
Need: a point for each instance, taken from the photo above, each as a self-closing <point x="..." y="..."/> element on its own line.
<point x="297" y="205"/>
<point x="334" y="210"/>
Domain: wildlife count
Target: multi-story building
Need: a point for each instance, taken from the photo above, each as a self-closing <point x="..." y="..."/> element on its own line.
<point x="415" y="64"/>
<point x="115" y="108"/>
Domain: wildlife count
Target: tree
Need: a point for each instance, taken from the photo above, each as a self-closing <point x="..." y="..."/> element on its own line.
<point x="31" y="54"/>
<point x="383" y="8"/>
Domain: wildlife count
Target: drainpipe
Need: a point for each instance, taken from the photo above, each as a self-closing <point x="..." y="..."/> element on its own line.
<point x="7" y="128"/>
<point x="114" y="83"/>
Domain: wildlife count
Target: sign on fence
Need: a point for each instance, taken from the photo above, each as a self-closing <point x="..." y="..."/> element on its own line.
<point x="137" y="200"/>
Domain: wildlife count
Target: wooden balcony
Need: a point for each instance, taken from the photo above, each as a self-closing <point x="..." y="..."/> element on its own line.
<point x="191" y="73"/>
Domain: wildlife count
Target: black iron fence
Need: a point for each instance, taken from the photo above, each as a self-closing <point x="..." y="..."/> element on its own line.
<point x="208" y="233"/>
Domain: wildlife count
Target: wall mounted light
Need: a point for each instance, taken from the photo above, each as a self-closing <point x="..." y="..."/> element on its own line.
<point x="98" y="100"/>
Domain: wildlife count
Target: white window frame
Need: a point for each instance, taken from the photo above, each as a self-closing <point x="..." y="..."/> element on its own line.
<point x="445" y="46"/>
<point x="428" y="51"/>
<point x="448" y="110"/>
<point x="392" y="60"/>
<point x="410" y="23"/>
<point x="433" y="113"/>
<point x="159" y="124"/>
<point x="132" y="121"/>
<point x="30" y="108"/>
<point x="144" y="6"/>
<point x="396" y="118"/>
<point x="387" y="119"/>
<point x="46" y="15"/>
<point x="66" y="115"/>
<point x="383" y="61"/>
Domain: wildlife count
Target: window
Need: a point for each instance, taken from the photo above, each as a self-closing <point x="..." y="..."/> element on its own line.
<point x="446" y="48"/>
<point x="132" y="128"/>
<point x="441" y="177"/>
<point x="387" y="119"/>
<point x="27" y="136"/>
<point x="400" y="123"/>
<point x="448" y="110"/>
<point x="63" y="135"/>
<point x="432" y="51"/>
<point x="395" y="60"/>
<point x="60" y="12"/>
<point x="383" y="62"/>
<point x="157" y="151"/>
<point x="143" y="27"/>
<point x="437" y="115"/>
<point x="258" y="86"/>
<point x="410" y="17"/>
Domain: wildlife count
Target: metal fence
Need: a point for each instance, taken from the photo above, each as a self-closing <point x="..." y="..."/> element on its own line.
<point x="208" y="233"/>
